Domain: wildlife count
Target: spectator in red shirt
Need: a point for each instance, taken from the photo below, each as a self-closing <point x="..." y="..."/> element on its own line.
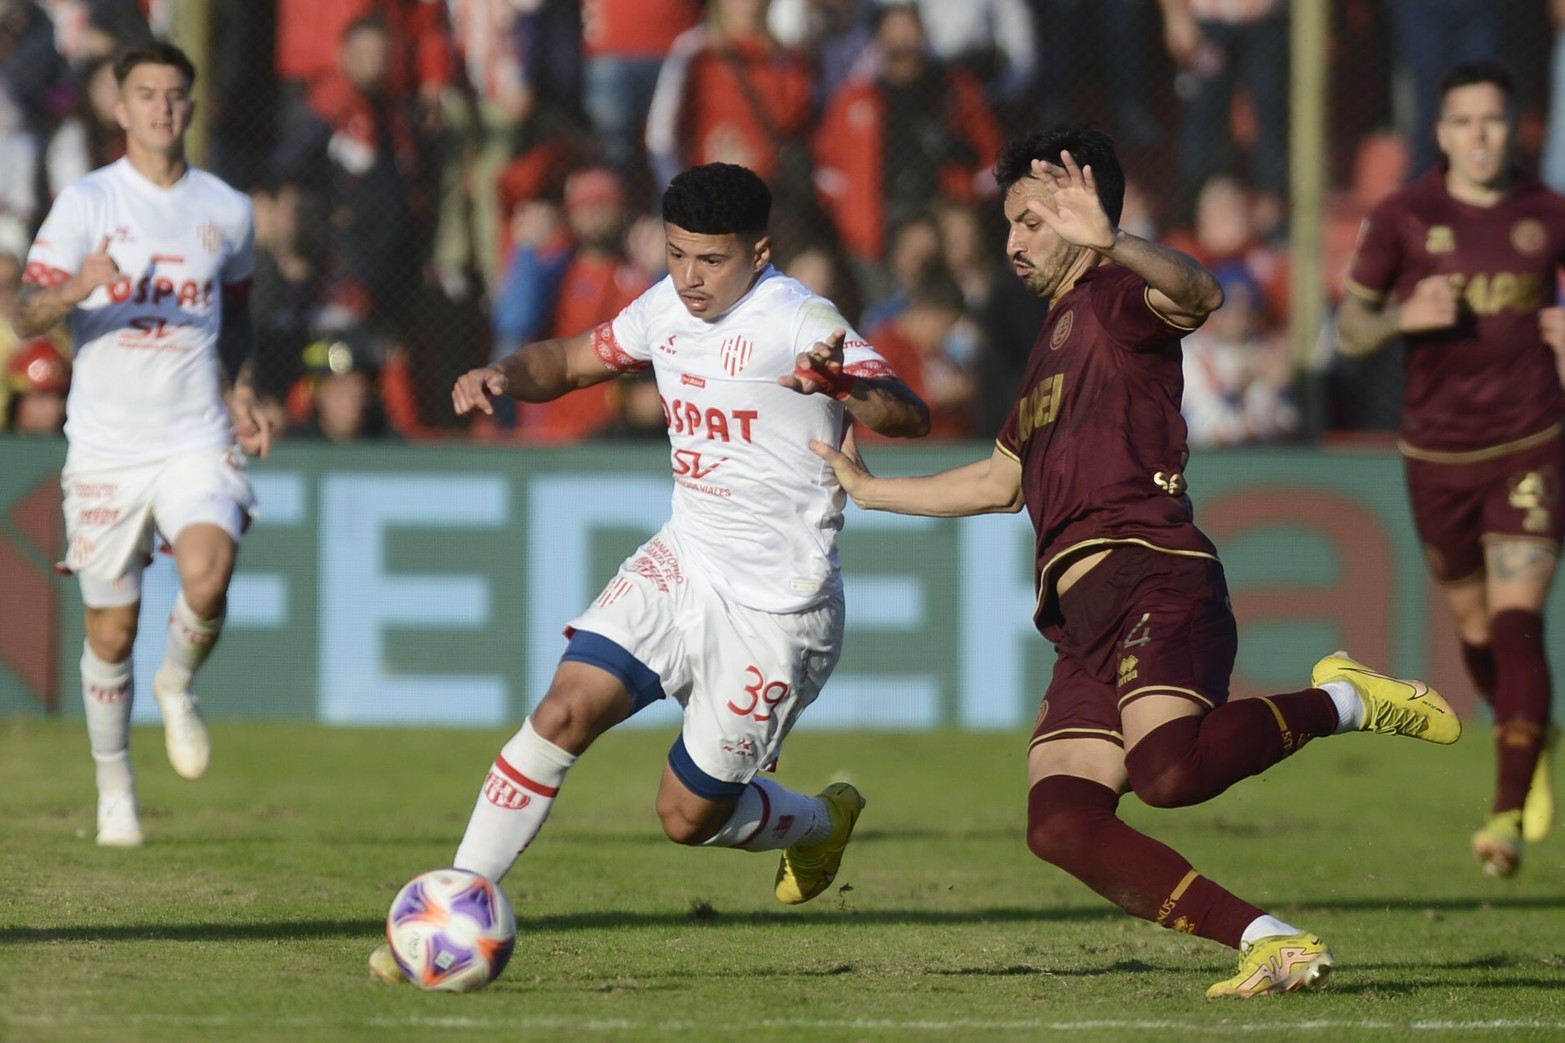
<point x="563" y="280"/>
<point x="371" y="159"/>
<point x="729" y="93"/>
<point x="931" y="120"/>
<point x="421" y="57"/>
<point x="931" y="345"/>
<point x="623" y="44"/>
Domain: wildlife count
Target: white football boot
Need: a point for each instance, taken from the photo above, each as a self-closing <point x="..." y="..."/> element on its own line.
<point x="184" y="733"/>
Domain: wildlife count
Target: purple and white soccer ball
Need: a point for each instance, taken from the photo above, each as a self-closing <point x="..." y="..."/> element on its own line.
<point x="451" y="930"/>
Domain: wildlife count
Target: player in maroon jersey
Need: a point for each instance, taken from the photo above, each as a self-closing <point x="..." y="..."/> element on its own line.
<point x="1462" y="266"/>
<point x="1130" y="591"/>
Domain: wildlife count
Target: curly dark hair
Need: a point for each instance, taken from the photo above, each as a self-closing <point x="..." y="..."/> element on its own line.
<point x="1088" y="146"/>
<point x="718" y="199"/>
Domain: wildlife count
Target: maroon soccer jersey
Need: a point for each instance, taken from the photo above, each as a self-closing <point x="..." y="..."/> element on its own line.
<point x="1490" y="380"/>
<point x="1097" y="428"/>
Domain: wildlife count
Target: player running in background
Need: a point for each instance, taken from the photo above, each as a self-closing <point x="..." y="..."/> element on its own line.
<point x="734" y="609"/>
<point x="150" y="258"/>
<point x="1129" y="590"/>
<point x="1462" y="266"/>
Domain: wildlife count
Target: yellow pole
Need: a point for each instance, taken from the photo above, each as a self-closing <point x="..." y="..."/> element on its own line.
<point x="191" y="30"/>
<point x="1309" y="36"/>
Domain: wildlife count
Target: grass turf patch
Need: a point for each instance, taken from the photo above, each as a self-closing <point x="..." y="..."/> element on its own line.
<point x="262" y="888"/>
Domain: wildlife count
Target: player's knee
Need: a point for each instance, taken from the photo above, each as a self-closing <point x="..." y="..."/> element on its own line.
<point x="206" y="592"/>
<point x="1058" y="826"/>
<point x="1163" y="768"/>
<point x="569" y="719"/>
<point x="111" y="637"/>
<point x="1175" y="787"/>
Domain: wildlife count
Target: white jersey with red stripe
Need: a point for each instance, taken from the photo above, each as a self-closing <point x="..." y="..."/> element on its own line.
<point x="147" y="380"/>
<point x="752" y="504"/>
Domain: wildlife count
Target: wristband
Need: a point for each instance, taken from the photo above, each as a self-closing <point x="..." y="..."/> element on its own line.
<point x="839" y="385"/>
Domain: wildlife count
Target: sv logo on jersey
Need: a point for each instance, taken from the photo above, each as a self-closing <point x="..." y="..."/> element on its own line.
<point x="154" y="328"/>
<point x="690" y="462"/>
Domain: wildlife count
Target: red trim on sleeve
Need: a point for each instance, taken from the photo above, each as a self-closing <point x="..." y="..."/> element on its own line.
<point x="611" y="354"/>
<point x="47" y="276"/>
<point x="238" y="291"/>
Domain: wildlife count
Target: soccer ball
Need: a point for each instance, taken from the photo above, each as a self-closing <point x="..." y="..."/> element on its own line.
<point x="451" y="930"/>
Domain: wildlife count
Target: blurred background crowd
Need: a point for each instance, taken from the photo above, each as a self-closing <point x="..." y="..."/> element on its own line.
<point x="437" y="182"/>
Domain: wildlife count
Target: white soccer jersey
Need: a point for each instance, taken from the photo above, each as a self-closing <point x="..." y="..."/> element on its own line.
<point x="147" y="380"/>
<point x="758" y="510"/>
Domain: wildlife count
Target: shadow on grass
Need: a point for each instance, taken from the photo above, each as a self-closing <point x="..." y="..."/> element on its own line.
<point x="828" y="910"/>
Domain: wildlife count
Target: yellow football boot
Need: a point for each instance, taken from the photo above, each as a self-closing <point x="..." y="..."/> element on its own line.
<point x="1392" y="706"/>
<point x="1538" y="809"/>
<point x="1277" y="964"/>
<point x="806" y="870"/>
<point x="1498" y="845"/>
<point x="384" y="966"/>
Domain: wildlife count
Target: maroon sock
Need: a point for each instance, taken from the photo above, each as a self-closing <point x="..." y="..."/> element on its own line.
<point x="1071" y="824"/>
<point x="1521" y="701"/>
<point x="1193" y="759"/>
<point x="1479" y="661"/>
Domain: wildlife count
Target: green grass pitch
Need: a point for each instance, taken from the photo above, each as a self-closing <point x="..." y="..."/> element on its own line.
<point x="249" y="914"/>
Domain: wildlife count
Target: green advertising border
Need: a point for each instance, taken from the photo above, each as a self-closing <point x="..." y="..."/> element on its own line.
<point x="1318" y="546"/>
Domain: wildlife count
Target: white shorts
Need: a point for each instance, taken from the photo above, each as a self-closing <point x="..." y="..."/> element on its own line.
<point x="743" y="676"/>
<point x="114" y="511"/>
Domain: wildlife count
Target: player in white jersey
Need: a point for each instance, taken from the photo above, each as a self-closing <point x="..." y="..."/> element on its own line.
<point x="734" y="609"/>
<point x="150" y="259"/>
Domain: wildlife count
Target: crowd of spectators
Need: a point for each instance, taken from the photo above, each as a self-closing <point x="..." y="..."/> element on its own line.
<point x="439" y="181"/>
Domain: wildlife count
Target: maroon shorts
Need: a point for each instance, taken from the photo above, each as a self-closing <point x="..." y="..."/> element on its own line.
<point x="1455" y="505"/>
<point x="1141" y="622"/>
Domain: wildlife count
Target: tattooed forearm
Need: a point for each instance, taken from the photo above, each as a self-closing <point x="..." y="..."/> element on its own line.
<point x="39" y="308"/>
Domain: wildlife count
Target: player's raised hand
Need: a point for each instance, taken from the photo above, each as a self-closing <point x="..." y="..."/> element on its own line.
<point x="1072" y="208"/>
<point x="1432" y="306"/>
<point x="477" y="389"/>
<point x="819" y="370"/>
<point x="252" y="427"/>
<point x="846" y="462"/>
<point x="98" y="269"/>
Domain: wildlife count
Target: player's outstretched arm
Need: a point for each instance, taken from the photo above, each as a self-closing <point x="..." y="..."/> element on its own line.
<point x="991" y="486"/>
<point x="885" y="406"/>
<point x="537" y="372"/>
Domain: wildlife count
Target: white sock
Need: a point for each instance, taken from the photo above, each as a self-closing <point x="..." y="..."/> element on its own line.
<point x="1349" y="704"/>
<point x="770" y="817"/>
<point x="1264" y="926"/>
<point x="190" y="640"/>
<point x="513" y="804"/>
<point x="107" y="692"/>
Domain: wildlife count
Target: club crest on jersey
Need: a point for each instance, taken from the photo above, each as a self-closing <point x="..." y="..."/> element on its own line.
<point x="210" y="237"/>
<point x="1440" y="240"/>
<point x="1062" y="329"/>
<point x="1534" y="492"/>
<point x="1528" y="236"/>
<point x="736" y="353"/>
